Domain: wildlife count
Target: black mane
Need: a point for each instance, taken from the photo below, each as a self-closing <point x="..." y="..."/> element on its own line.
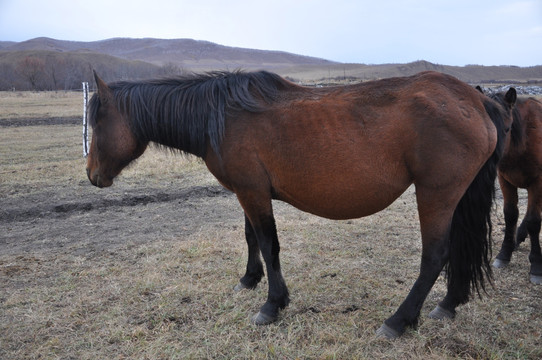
<point x="188" y="112"/>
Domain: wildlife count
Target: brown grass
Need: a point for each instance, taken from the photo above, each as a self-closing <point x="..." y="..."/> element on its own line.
<point x="172" y="298"/>
<point x="26" y="104"/>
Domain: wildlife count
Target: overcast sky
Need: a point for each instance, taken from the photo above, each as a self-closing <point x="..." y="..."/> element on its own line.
<point x="455" y="32"/>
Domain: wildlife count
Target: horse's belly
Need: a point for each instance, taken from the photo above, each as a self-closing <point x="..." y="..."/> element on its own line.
<point x="518" y="178"/>
<point x="518" y="172"/>
<point x="341" y="204"/>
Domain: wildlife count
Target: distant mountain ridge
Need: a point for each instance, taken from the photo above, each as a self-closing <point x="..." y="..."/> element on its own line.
<point x="64" y="64"/>
<point x="181" y="52"/>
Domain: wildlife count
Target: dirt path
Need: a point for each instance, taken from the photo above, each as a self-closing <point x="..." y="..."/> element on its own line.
<point x="40" y="121"/>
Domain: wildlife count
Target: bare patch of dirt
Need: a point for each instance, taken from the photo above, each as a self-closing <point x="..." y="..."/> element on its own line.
<point x="40" y="121"/>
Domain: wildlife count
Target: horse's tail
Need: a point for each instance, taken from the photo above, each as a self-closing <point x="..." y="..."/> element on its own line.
<point x="470" y="234"/>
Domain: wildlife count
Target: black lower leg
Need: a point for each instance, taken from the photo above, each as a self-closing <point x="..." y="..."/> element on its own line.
<point x="409" y="311"/>
<point x="254" y="271"/>
<point x="278" y="296"/>
<point x="521" y="234"/>
<point x="449" y="303"/>
<point x="511" y="214"/>
<point x="535" y="256"/>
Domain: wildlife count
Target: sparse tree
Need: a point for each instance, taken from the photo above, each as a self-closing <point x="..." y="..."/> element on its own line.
<point x="31" y="69"/>
<point x="55" y="67"/>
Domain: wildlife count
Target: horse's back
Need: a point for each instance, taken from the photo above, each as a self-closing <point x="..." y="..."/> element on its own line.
<point x="531" y="110"/>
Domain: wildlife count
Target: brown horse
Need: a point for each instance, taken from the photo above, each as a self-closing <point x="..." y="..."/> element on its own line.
<point x="521" y="167"/>
<point x="339" y="152"/>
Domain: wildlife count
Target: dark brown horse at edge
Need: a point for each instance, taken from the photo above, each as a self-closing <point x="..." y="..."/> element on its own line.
<point x="340" y="153"/>
<point x="521" y="167"/>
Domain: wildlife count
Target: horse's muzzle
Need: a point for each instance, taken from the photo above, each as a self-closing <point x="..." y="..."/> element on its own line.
<point x="97" y="180"/>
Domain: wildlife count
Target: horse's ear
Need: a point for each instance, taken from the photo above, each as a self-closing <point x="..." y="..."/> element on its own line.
<point x="479" y="89"/>
<point x="104" y="92"/>
<point x="511" y="97"/>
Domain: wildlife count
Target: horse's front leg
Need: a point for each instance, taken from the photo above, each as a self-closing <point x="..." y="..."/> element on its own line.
<point x="511" y="213"/>
<point x="259" y="213"/>
<point x="254" y="271"/>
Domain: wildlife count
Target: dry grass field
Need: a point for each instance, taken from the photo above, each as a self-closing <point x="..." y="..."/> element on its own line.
<point x="145" y="269"/>
<point x="27" y="104"/>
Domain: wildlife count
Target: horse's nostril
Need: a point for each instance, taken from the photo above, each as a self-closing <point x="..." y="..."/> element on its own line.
<point x="94" y="179"/>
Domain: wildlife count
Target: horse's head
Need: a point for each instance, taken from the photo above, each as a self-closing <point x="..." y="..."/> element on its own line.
<point x="507" y="103"/>
<point x="113" y="145"/>
<point x="505" y="113"/>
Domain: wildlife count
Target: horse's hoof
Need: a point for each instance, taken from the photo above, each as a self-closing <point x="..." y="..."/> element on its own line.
<point x="536" y="279"/>
<point x="240" y="287"/>
<point x="387" y="332"/>
<point x="262" y="319"/>
<point x="440" y="313"/>
<point x="499" y="264"/>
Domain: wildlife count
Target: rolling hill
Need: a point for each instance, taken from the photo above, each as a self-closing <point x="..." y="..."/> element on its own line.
<point x="185" y="53"/>
<point x="124" y="58"/>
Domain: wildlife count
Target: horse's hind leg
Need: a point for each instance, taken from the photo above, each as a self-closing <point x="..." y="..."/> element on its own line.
<point x="532" y="222"/>
<point x="511" y="213"/>
<point x="254" y="271"/>
<point x="521" y="234"/>
<point x="408" y="313"/>
<point x="435" y="225"/>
